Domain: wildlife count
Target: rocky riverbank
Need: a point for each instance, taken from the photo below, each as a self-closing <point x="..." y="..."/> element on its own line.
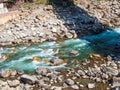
<point x="37" y="24"/>
<point x="50" y="23"/>
<point x="95" y="73"/>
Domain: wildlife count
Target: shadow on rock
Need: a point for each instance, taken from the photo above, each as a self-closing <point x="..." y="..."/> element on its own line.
<point x="76" y="18"/>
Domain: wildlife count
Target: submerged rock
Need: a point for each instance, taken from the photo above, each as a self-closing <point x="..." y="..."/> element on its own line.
<point x="37" y="59"/>
<point x="74" y="52"/>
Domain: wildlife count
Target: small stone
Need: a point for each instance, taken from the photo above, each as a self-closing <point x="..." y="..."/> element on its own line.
<point x="13" y="73"/>
<point x="45" y="86"/>
<point x="56" y="88"/>
<point x="13" y="83"/>
<point x="75" y="87"/>
<point x="116" y="81"/>
<point x="105" y="76"/>
<point x="98" y="79"/>
<point x="37" y="59"/>
<point x="20" y="72"/>
<point x="74" y="52"/>
<point x="56" y="61"/>
<point x="81" y="85"/>
<point x="81" y="73"/>
<point x="54" y="30"/>
<point x="109" y="58"/>
<point x="91" y="85"/>
<point x="28" y="87"/>
<point x="96" y="57"/>
<point x="68" y="35"/>
<point x="49" y="8"/>
<point x="69" y="82"/>
<point x="42" y="71"/>
<point x="65" y="85"/>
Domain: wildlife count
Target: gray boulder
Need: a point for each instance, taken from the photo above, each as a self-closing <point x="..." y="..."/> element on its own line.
<point x="13" y="83"/>
<point x="28" y="79"/>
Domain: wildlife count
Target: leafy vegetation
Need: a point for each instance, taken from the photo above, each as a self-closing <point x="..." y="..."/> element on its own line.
<point x="11" y="1"/>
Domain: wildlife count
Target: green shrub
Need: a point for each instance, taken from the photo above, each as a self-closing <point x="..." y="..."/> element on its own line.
<point x="56" y="2"/>
<point x="11" y="1"/>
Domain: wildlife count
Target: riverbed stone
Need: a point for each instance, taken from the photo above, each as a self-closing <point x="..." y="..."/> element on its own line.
<point x="13" y="83"/>
<point x="42" y="71"/>
<point x="81" y="72"/>
<point x="13" y="73"/>
<point x="69" y="82"/>
<point x="56" y="88"/>
<point x="28" y="79"/>
<point x="74" y="52"/>
<point x="110" y="70"/>
<point x="56" y="61"/>
<point x="91" y="85"/>
<point x="5" y="73"/>
<point x="75" y="87"/>
<point x="20" y="72"/>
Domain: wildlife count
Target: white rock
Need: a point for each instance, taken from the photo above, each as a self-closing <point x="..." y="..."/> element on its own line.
<point x="91" y="85"/>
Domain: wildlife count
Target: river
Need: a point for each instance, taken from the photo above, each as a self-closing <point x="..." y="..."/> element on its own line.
<point x="20" y="57"/>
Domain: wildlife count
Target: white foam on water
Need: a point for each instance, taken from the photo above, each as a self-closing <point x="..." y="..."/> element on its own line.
<point x="81" y="42"/>
<point x="117" y="29"/>
<point x="54" y="67"/>
<point x="49" y="44"/>
<point x="33" y="49"/>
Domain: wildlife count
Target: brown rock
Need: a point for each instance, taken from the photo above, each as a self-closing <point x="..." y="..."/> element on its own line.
<point x="37" y="59"/>
<point x="5" y="73"/>
<point x="96" y="57"/>
<point x="74" y="52"/>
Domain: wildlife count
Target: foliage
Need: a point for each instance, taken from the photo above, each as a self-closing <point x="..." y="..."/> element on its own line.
<point x="11" y="1"/>
<point x="56" y="2"/>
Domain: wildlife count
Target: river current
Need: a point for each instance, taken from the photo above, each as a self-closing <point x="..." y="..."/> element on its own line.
<point x="20" y="57"/>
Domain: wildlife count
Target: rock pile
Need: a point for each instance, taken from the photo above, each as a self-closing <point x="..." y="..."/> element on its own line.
<point x="95" y="74"/>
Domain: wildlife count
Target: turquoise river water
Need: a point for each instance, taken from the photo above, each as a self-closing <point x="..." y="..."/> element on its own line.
<point x="21" y="58"/>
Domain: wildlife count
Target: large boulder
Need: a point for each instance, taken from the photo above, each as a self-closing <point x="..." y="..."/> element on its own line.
<point x="28" y="79"/>
<point x="5" y="73"/>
